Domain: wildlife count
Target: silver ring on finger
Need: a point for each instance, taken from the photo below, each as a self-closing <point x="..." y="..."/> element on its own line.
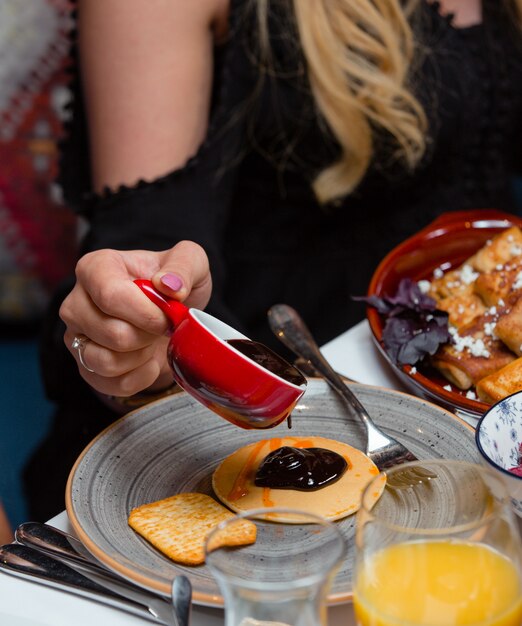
<point x="78" y="343"/>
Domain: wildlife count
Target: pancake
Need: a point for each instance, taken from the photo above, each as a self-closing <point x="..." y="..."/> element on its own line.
<point x="233" y="481"/>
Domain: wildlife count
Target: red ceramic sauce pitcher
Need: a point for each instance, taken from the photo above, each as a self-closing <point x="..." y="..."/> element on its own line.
<point x="255" y="391"/>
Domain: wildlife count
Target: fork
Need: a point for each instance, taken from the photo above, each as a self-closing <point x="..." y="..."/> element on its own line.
<point x="383" y="450"/>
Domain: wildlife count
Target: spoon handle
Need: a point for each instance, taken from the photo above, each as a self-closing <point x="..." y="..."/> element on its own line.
<point x="54" y="541"/>
<point x="291" y="330"/>
<point x="289" y="327"/>
<point x="34" y="566"/>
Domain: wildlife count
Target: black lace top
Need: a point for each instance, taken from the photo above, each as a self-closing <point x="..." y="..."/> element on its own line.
<point x="246" y="195"/>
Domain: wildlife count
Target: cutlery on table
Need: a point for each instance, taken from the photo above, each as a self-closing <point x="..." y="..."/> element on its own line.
<point x="55" y="542"/>
<point x="383" y="450"/>
<point x="71" y="551"/>
<point x="36" y="566"/>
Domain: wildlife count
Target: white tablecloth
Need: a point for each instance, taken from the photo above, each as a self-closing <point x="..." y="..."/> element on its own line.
<point x="26" y="604"/>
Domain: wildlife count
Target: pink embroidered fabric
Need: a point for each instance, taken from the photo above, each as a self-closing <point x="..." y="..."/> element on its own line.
<point x="37" y="232"/>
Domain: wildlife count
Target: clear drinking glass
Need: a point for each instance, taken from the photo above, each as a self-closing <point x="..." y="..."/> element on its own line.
<point x="445" y="552"/>
<point x="283" y="578"/>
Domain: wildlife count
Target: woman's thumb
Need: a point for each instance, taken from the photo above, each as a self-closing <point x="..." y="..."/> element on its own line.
<point x="184" y="274"/>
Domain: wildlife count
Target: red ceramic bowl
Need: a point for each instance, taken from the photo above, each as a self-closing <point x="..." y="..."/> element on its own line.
<point x="447" y="242"/>
<point x="219" y="375"/>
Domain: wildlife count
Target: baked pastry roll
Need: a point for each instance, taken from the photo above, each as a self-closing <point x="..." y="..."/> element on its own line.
<point x="474" y="352"/>
<point x="462" y="309"/>
<point x="501" y="285"/>
<point x="509" y="328"/>
<point x="501" y="383"/>
<point x="498" y="250"/>
<point x="455" y="282"/>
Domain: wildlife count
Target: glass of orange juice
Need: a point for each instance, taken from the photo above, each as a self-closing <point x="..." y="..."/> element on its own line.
<point x="442" y="552"/>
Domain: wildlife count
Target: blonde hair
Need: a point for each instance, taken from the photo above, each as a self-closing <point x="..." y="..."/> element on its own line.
<point x="359" y="56"/>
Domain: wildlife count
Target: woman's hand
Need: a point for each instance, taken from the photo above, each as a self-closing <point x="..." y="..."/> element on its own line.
<point x="126" y="347"/>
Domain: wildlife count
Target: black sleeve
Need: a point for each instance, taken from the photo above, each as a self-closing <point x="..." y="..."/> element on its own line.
<point x="191" y="203"/>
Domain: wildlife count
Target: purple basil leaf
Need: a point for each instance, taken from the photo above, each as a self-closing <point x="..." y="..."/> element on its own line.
<point x="427" y="341"/>
<point x="408" y="297"/>
<point x="408" y="339"/>
<point x="380" y="304"/>
<point x="414" y="327"/>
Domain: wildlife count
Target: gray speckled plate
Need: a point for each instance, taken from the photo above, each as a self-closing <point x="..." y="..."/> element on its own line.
<point x="174" y="445"/>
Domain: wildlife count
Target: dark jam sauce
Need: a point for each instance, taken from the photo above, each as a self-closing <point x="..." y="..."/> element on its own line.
<point x="268" y="359"/>
<point x="304" y="469"/>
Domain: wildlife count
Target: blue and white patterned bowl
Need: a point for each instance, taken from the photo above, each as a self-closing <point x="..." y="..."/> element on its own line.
<point x="498" y="437"/>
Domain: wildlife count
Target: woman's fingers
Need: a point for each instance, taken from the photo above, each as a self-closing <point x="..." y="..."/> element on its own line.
<point x="113" y="355"/>
<point x="82" y="315"/>
<point x="117" y="374"/>
<point x="116" y="334"/>
<point x="106" y="361"/>
<point x="106" y="278"/>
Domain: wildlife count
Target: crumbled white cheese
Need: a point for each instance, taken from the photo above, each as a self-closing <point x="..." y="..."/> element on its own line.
<point x="499" y="266"/>
<point x="413" y="371"/>
<point x="471" y="395"/>
<point x="501" y="302"/>
<point x="447" y="388"/>
<point x="477" y="347"/>
<point x="492" y="310"/>
<point x="438" y="273"/>
<point x="489" y="328"/>
<point x="468" y="274"/>
<point x="518" y="281"/>
<point x="424" y="286"/>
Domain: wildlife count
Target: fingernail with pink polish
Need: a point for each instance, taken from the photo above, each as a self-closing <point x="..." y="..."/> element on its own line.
<point x="172" y="281"/>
